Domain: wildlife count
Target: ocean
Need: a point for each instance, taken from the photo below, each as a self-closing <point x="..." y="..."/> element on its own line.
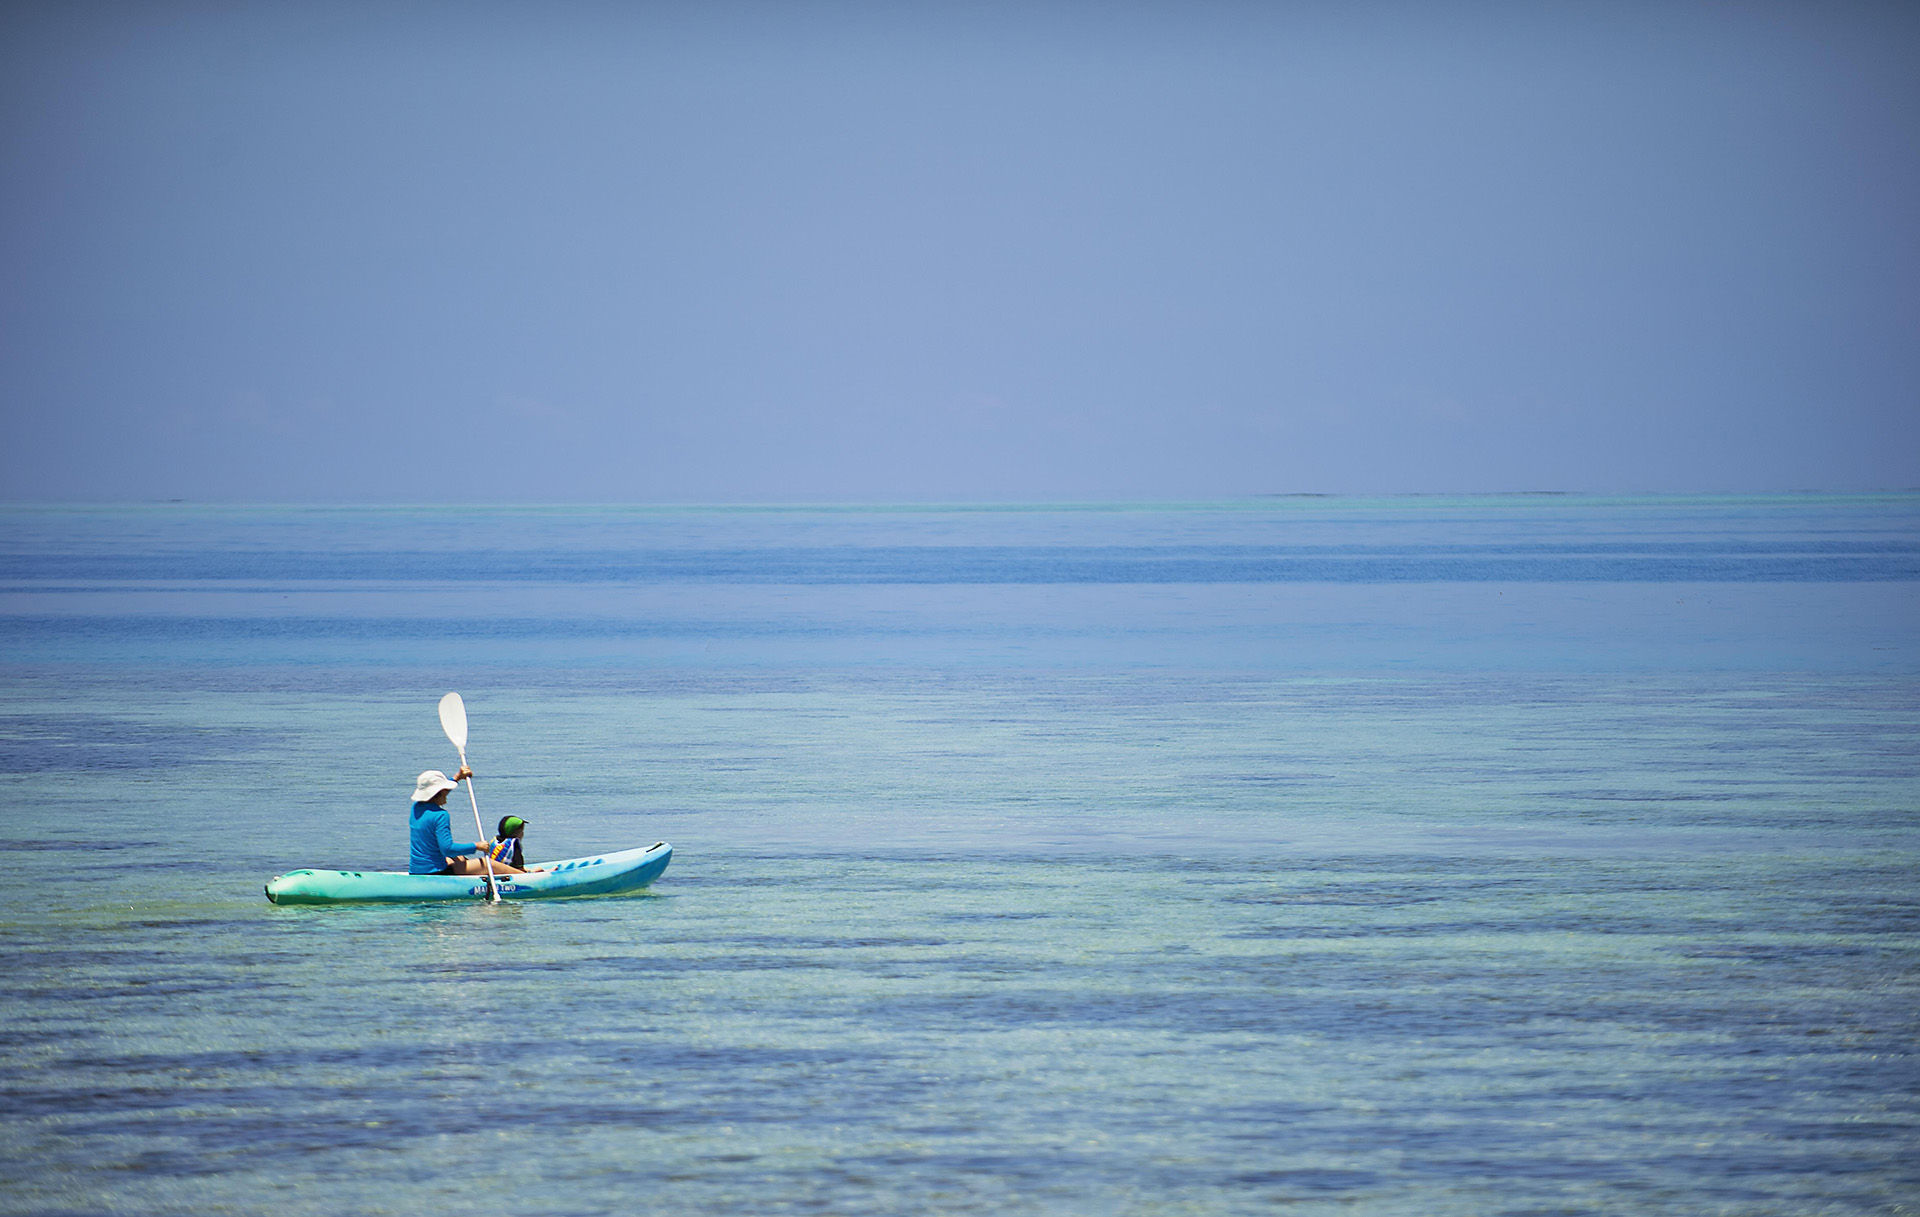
<point x="1497" y="855"/>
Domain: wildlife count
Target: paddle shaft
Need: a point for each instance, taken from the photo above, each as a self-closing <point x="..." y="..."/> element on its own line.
<point x="486" y="859"/>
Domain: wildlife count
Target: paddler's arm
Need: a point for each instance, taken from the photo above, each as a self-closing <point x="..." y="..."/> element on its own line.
<point x="443" y="835"/>
<point x="452" y="850"/>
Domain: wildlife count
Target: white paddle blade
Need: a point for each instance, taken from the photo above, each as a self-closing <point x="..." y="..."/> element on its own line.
<point x="453" y="720"/>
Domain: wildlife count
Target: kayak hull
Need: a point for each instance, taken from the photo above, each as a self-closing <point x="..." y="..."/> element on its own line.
<point x="627" y="870"/>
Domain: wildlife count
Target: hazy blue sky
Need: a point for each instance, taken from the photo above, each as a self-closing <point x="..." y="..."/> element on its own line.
<point x="803" y="251"/>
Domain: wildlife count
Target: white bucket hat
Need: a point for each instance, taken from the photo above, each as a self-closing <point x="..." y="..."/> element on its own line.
<point x="431" y="782"/>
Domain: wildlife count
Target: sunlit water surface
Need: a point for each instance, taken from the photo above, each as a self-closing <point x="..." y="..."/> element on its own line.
<point x="1482" y="856"/>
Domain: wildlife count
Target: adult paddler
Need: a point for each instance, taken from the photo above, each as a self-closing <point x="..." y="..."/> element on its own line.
<point x="433" y="850"/>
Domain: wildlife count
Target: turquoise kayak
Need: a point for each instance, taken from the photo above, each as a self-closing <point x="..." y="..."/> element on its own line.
<point x="601" y="875"/>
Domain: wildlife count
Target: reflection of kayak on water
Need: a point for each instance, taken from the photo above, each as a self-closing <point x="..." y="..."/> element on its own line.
<point x="629" y="870"/>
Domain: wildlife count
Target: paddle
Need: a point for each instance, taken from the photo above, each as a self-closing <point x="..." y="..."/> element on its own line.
<point x="453" y="720"/>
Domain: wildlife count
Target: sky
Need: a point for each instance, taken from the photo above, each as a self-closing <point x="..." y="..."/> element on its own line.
<point x="938" y="251"/>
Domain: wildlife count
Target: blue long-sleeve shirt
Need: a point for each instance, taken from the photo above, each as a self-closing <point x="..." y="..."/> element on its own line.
<point x="432" y="840"/>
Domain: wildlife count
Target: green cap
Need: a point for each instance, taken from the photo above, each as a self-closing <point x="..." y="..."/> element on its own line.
<point x="511" y="825"/>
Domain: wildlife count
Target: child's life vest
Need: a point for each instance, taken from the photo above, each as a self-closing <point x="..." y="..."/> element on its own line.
<point x="506" y="850"/>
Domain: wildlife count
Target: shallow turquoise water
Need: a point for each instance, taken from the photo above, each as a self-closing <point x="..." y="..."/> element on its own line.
<point x="1404" y="856"/>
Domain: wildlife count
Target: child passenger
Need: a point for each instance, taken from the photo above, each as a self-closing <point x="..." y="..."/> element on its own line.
<point x="505" y="848"/>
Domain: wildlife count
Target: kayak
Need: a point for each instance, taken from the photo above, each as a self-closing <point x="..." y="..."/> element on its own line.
<point x="629" y="870"/>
